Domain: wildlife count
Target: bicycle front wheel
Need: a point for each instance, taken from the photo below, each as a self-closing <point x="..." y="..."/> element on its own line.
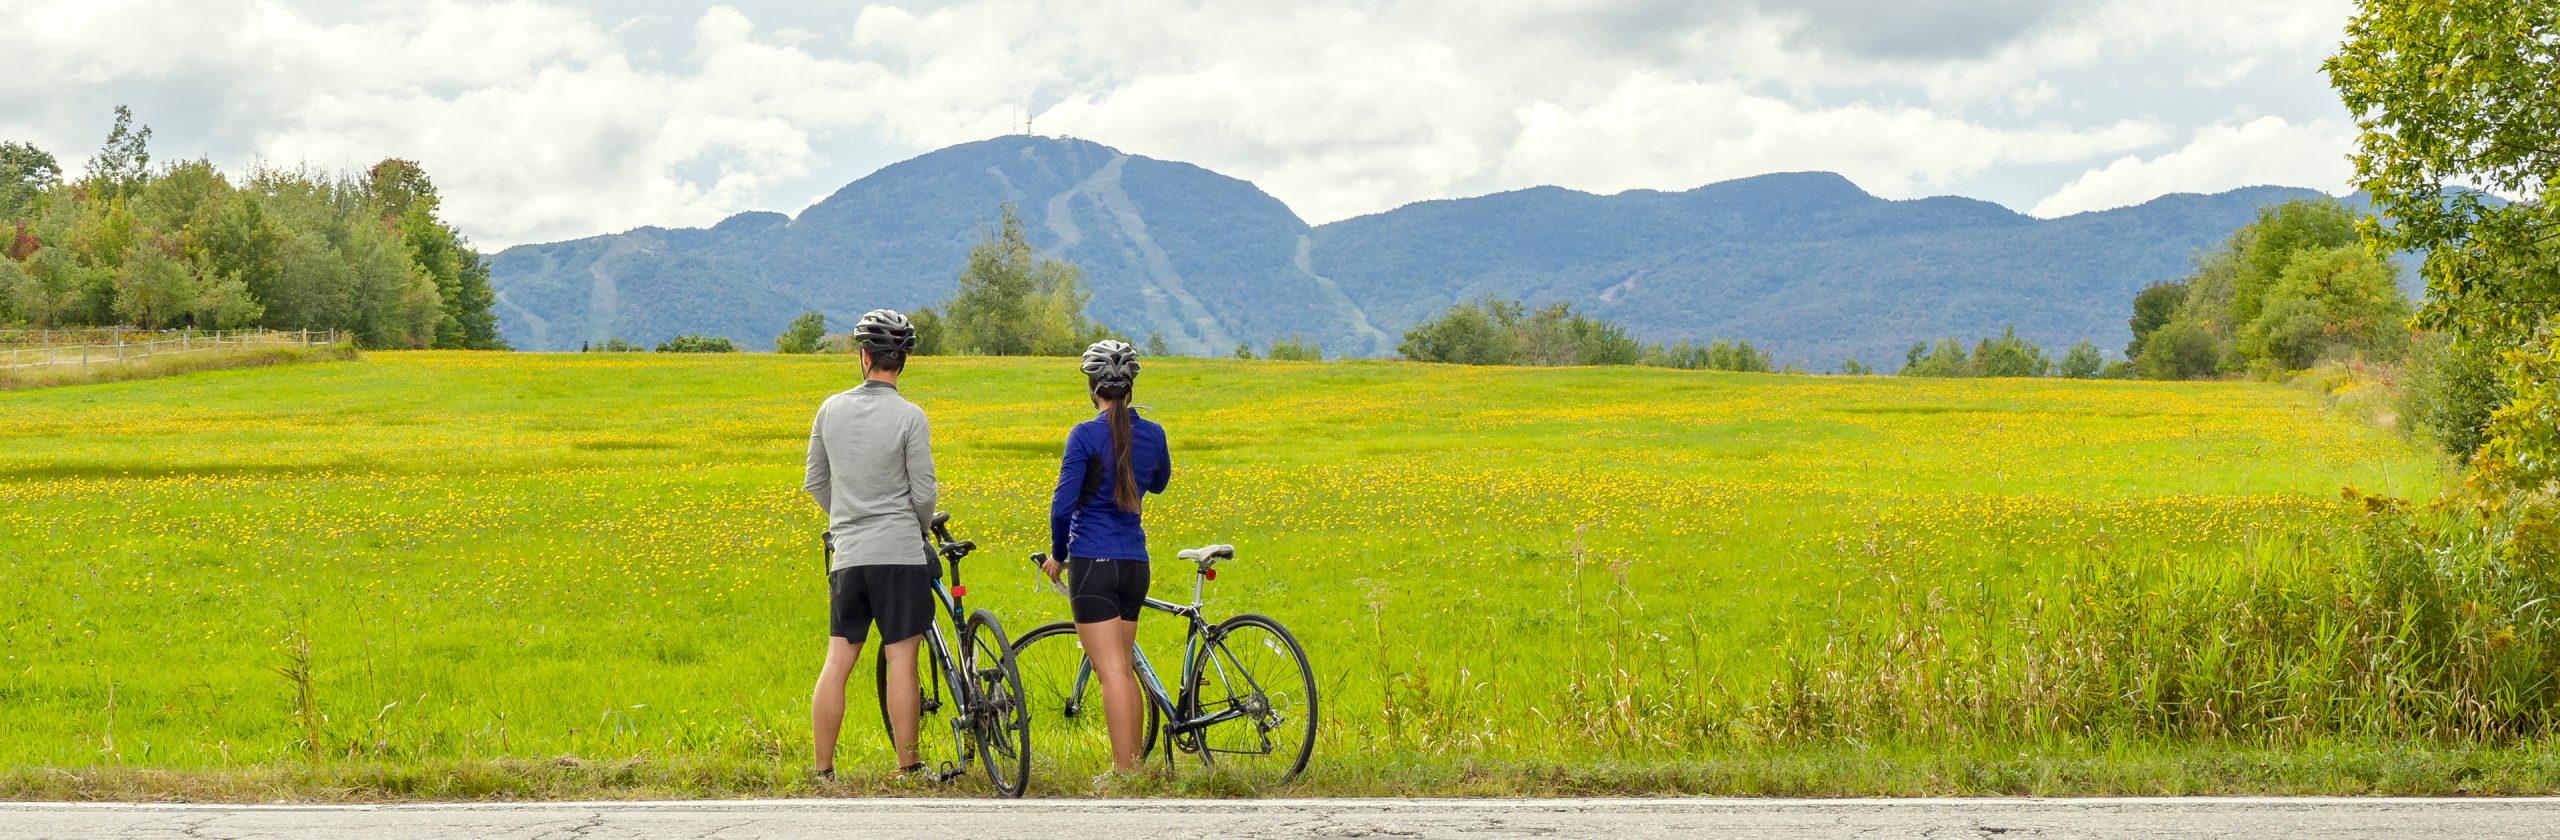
<point x="1065" y="702"/>
<point x="998" y="720"/>
<point x="1254" y="681"/>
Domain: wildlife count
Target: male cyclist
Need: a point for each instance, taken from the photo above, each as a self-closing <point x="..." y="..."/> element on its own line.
<point x="871" y="472"/>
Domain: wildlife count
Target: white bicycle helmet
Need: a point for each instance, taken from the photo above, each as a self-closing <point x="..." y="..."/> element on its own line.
<point x="884" y="330"/>
<point x="1111" y="363"/>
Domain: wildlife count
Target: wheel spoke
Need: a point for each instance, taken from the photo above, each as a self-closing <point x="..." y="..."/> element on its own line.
<point x="1255" y="677"/>
<point x="1064" y="705"/>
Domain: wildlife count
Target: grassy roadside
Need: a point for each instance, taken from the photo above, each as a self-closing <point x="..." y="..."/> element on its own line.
<point x="172" y="365"/>
<point x="2332" y="769"/>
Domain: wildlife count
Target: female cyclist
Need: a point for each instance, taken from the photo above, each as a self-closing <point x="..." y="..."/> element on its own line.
<point x="1112" y="460"/>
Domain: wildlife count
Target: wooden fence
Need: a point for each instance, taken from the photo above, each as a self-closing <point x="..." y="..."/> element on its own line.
<point x="53" y="348"/>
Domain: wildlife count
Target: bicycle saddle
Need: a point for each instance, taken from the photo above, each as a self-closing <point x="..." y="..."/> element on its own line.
<point x="1207" y="555"/>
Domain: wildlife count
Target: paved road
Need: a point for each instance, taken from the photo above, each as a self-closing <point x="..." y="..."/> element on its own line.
<point x="1612" y="819"/>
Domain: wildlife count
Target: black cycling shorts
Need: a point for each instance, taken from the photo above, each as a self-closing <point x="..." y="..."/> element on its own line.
<point x="899" y="598"/>
<point x="1102" y="590"/>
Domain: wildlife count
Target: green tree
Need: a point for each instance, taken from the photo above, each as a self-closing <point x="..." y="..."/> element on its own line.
<point x="1014" y="302"/>
<point x="1736" y="356"/>
<point x="1946" y="358"/>
<point x="690" y="343"/>
<point x="154" y="288"/>
<point x="1243" y="350"/>
<point x="2008" y="356"/>
<point x="2082" y="360"/>
<point x="933" y="337"/>
<point x="2458" y="92"/>
<point x="2450" y="391"/>
<point x="1294" y="349"/>
<point x="408" y="198"/>
<point x="222" y="303"/>
<point x="2181" y="349"/>
<point x="1155" y="345"/>
<point x="2281" y="233"/>
<point x="123" y="162"/>
<point x="1470" y="333"/>
<point x="56" y="282"/>
<point x="1851" y="367"/>
<point x="26" y="172"/>
<point x="805" y="334"/>
<point x="2328" y="302"/>
<point x="2152" y="307"/>
<point x="12" y="276"/>
<point x="311" y="286"/>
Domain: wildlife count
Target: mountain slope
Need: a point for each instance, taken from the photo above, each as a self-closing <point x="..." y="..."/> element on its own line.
<point x="1170" y="248"/>
<point x="1806" y="264"/>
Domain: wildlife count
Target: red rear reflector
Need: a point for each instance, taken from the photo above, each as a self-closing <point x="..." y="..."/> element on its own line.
<point x="1211" y="574"/>
<point x="959" y="591"/>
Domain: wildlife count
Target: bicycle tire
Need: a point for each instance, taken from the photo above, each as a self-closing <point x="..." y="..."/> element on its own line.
<point x="998" y="719"/>
<point x="1072" y="733"/>
<point x="1269" y="701"/>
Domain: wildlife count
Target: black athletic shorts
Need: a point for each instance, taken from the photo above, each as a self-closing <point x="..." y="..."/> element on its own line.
<point x="899" y="598"/>
<point x="1102" y="590"/>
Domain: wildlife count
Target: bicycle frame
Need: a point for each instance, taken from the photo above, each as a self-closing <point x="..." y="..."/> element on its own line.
<point x="951" y="598"/>
<point x="1194" y="645"/>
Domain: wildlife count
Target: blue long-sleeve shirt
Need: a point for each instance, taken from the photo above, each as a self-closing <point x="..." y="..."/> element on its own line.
<point x="1083" y="520"/>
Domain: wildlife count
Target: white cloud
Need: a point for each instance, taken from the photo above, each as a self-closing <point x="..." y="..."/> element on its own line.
<point x="1667" y="133"/>
<point x="544" y="120"/>
<point x="2267" y="150"/>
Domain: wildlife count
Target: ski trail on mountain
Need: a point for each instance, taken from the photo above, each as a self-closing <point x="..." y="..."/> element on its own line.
<point x="1169" y="305"/>
<point x="540" y="326"/>
<point x="1304" y="259"/>
<point x="604" y="297"/>
<point x="1062" y="217"/>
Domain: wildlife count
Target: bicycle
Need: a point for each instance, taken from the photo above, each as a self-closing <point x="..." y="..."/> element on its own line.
<point x="1247" y="703"/>
<point x="987" y="720"/>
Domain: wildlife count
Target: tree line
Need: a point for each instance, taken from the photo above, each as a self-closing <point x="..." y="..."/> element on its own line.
<point x="1494" y="331"/>
<point x="185" y="245"/>
<point x="2007" y="355"/>
<point x="2291" y="289"/>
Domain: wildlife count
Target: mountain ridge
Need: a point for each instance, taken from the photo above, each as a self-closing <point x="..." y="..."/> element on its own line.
<point x="1806" y="264"/>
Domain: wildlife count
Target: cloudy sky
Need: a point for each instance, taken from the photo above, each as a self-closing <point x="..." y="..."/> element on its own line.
<point x="552" y="119"/>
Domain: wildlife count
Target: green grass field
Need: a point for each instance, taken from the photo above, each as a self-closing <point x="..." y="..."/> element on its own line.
<point x="535" y="575"/>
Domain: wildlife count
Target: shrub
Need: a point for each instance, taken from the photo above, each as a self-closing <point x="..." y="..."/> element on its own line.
<point x="806" y="334"/>
<point x="1295" y="349"/>
<point x="690" y="343"/>
<point x="2449" y="392"/>
<point x="2181" y="349"/>
<point x="2082" y="361"/>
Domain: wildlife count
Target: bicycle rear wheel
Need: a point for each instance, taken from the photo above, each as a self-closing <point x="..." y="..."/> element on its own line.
<point x="1065" y="702"/>
<point x="1255" y="674"/>
<point x="999" y="723"/>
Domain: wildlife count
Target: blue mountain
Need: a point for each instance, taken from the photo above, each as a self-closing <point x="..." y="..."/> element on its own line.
<point x="1805" y="264"/>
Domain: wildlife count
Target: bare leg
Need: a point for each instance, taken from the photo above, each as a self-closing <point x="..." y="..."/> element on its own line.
<point x="826" y="702"/>
<point x="1108" y="644"/>
<point x="905" y="698"/>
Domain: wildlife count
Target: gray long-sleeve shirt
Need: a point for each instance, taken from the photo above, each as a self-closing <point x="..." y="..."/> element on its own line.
<point x="871" y="472"/>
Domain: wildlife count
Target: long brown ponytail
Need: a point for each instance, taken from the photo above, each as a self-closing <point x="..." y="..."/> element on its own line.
<point x="1115" y="411"/>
